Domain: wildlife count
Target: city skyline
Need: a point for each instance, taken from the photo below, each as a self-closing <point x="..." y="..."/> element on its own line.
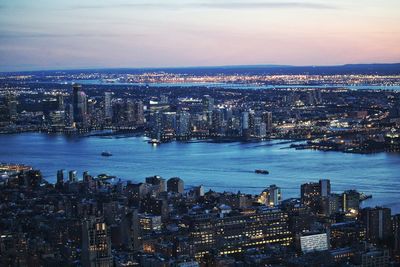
<point x="199" y="133"/>
<point x="63" y="35"/>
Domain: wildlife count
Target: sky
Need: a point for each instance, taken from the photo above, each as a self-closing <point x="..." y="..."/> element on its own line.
<point x="65" y="34"/>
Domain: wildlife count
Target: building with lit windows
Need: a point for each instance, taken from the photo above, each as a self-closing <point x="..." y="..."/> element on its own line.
<point x="351" y="202"/>
<point x="311" y="193"/>
<point x="175" y="185"/>
<point x="271" y="197"/>
<point x="107" y="105"/>
<point x="236" y="233"/>
<point x="79" y="105"/>
<point x="149" y="222"/>
<point x="158" y="182"/>
<point x="378" y="224"/>
<point x="314" y="242"/>
<point x="96" y="243"/>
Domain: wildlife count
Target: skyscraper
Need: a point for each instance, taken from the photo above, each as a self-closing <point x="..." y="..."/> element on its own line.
<point x="325" y="187"/>
<point x="245" y="123"/>
<point x="260" y="128"/>
<point x="216" y="122"/>
<point x="183" y="125"/>
<point x="72" y="176"/>
<point x="267" y="116"/>
<point x="79" y="104"/>
<point x="60" y="179"/>
<point x="129" y="111"/>
<point x="60" y="102"/>
<point x="96" y="243"/>
<point x="157" y="181"/>
<point x="12" y="103"/>
<point x="208" y="103"/>
<point x="208" y="106"/>
<point x="139" y="113"/>
<point x="175" y="185"/>
<point x="107" y="105"/>
<point x="312" y="193"/>
<point x="378" y="222"/>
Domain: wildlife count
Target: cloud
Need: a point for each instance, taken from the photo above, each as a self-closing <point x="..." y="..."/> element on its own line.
<point x="217" y="5"/>
<point x="246" y="5"/>
<point x="17" y="35"/>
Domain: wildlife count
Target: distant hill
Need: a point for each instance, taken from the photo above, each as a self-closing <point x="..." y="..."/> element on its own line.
<point x="379" y="69"/>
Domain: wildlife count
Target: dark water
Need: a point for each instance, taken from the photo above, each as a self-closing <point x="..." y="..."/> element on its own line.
<point x="220" y="166"/>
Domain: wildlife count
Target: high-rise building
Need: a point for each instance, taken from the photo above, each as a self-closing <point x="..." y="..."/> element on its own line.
<point x="96" y="243"/>
<point x="208" y="103"/>
<point x="168" y="121"/>
<point x="86" y="176"/>
<point x="378" y="223"/>
<point x="182" y="125"/>
<point x="234" y="234"/>
<point x="267" y="118"/>
<point x="245" y="122"/>
<point x="312" y="193"/>
<point x="175" y="185"/>
<point x="154" y="206"/>
<point x="325" y="187"/>
<point x="57" y="119"/>
<point x="346" y="234"/>
<point x="351" y="201"/>
<point x="260" y="128"/>
<point x="139" y="113"/>
<point x="138" y="191"/>
<point x="216" y="122"/>
<point x="156" y="125"/>
<point x="72" y="176"/>
<point x="157" y="181"/>
<point x="107" y="105"/>
<point x="79" y="104"/>
<point x="60" y="102"/>
<point x="330" y="204"/>
<point x="129" y="116"/>
<point x="12" y="104"/>
<point x="309" y="192"/>
<point x="60" y="177"/>
<point x="208" y="107"/>
<point x="135" y="230"/>
<point x="198" y="191"/>
<point x="69" y="115"/>
<point x="375" y="257"/>
<point x="252" y="117"/>
<point x="396" y="233"/>
<point x="118" y="116"/>
<point x="271" y="197"/>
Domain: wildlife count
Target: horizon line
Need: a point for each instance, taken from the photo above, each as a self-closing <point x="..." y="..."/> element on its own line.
<point x="197" y="67"/>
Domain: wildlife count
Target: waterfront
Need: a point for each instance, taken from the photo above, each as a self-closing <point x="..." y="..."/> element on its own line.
<point x="219" y="166"/>
<point x="222" y="85"/>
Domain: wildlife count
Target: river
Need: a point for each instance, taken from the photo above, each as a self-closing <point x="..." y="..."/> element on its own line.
<point x="217" y="166"/>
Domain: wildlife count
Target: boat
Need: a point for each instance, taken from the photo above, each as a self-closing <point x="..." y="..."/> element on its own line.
<point x="154" y="142"/>
<point x="106" y="154"/>
<point x="261" y="171"/>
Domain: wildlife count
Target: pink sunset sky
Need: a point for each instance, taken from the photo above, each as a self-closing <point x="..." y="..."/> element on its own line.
<point x="48" y="34"/>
